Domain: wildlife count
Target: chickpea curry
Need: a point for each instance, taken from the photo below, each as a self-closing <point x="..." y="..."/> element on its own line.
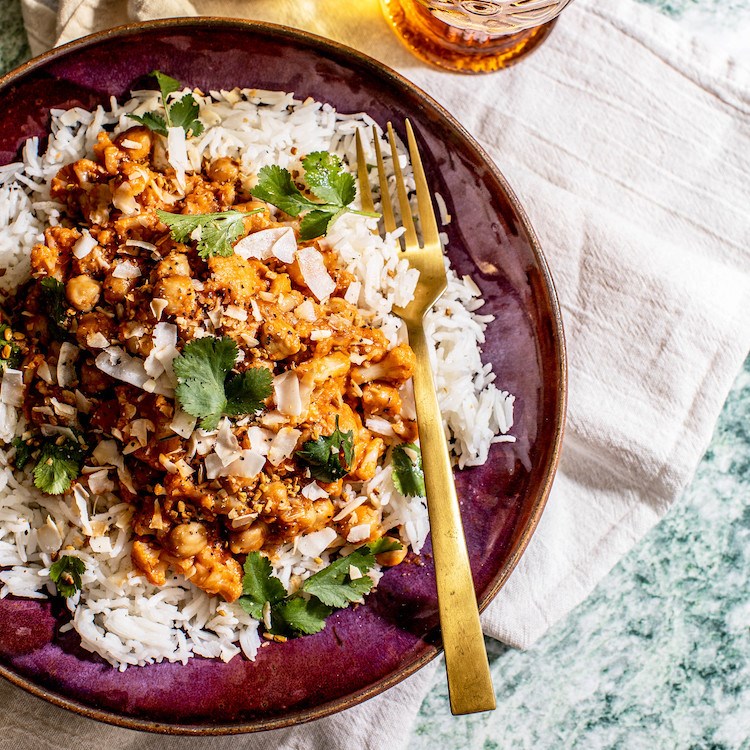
<point x="188" y="347"/>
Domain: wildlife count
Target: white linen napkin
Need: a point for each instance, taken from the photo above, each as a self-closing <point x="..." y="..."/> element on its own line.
<point x="628" y="142"/>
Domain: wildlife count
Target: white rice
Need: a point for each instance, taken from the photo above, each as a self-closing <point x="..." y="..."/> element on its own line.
<point x="118" y="614"/>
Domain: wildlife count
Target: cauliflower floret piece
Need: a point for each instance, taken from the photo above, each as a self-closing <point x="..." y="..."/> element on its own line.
<point x="396" y="367"/>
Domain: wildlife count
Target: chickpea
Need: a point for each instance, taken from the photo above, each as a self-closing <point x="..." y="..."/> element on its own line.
<point x="83" y="292"/>
<point x="179" y="293"/>
<point x="318" y="515"/>
<point x="275" y="494"/>
<point x="188" y="539"/>
<point x="116" y="289"/>
<point x="248" y="540"/>
<point x="223" y="170"/>
<point x="94" y="322"/>
<point x="389" y="559"/>
<point x="139" y="135"/>
<point x="364" y="514"/>
<point x="175" y="264"/>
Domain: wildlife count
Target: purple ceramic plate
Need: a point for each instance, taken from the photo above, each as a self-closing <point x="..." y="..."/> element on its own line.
<point x="362" y="651"/>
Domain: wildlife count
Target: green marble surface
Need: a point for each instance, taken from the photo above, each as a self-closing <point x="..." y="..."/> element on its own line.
<point x="659" y="656"/>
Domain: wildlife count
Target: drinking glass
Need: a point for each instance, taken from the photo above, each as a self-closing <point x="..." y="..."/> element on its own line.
<point x="472" y="36"/>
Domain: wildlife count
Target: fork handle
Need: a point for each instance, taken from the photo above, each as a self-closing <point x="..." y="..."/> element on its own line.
<point x="469" y="681"/>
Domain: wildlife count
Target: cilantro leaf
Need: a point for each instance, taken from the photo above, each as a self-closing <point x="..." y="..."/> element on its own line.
<point x="55" y="306"/>
<point x="153" y="122"/>
<point x="329" y="457"/>
<point x="202" y="390"/>
<point x="246" y="392"/>
<point x="259" y="585"/>
<point x="334" y="585"/>
<point x="275" y="186"/>
<point x="58" y="465"/>
<point x="66" y="575"/>
<point x="302" y="615"/>
<point x="408" y="476"/>
<point x="315" y="223"/>
<point x="167" y="84"/>
<point x="326" y="178"/>
<point x="24" y="451"/>
<point x="217" y="231"/>
<point x="181" y="113"/>
<point x="184" y="114"/>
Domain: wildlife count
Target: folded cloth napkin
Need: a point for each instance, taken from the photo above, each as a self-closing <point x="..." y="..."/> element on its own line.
<point x="628" y="142"/>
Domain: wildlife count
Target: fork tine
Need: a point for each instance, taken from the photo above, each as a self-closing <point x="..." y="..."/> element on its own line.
<point x="427" y="222"/>
<point x="363" y="179"/>
<point x="410" y="236"/>
<point x="389" y="222"/>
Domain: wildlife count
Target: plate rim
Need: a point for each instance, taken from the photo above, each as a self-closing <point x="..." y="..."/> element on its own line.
<point x="561" y="378"/>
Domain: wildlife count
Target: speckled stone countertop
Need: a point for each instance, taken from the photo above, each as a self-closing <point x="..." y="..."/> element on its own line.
<point x="659" y="656"/>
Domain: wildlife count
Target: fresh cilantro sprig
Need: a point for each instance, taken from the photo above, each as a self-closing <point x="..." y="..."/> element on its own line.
<point x="327" y="181"/>
<point x="408" y="476"/>
<point x="205" y="388"/>
<point x="178" y="113"/>
<point x="306" y="611"/>
<point x="58" y="464"/>
<point x="55" y="306"/>
<point x="66" y="575"/>
<point x="330" y="456"/>
<point x="217" y="232"/>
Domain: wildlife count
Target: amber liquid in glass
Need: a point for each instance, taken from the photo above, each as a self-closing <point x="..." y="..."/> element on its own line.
<point x="455" y="48"/>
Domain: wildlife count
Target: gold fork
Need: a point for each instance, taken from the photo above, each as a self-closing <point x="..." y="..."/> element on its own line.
<point x="469" y="681"/>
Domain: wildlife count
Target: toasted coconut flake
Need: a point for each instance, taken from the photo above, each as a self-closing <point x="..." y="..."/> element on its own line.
<point x="352" y="292"/>
<point x="124" y="200"/>
<point x="238" y="313"/>
<point x="84" y="245"/>
<point x="277" y="241"/>
<point x="11" y="390"/>
<point x="380" y="426"/>
<point x="66" y="371"/>
<point x="314" y="491"/>
<point x="350" y="507"/>
<point x="157" y="306"/>
<point x="260" y="439"/>
<point x="49" y="537"/>
<point x="306" y="311"/>
<point x="182" y="424"/>
<point x="45" y="373"/>
<point x="118" y="364"/>
<point x="314" y="272"/>
<point x="97" y="340"/>
<point x="313" y="545"/>
<point x="83" y="404"/>
<point x="177" y="154"/>
<point x="283" y="445"/>
<point x="227" y="447"/>
<point x="286" y="393"/>
<point x="126" y="270"/>
<point x="63" y="410"/>
<point x="320" y="334"/>
<point x="140" y="243"/>
<point x="99" y="482"/>
<point x="358" y="533"/>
